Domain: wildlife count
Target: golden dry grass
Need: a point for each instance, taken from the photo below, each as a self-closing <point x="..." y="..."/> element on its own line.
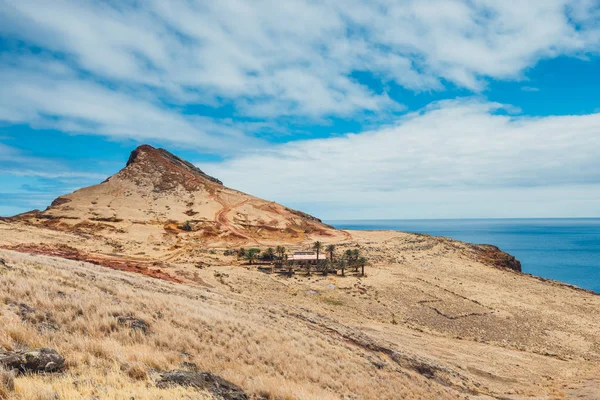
<point x="429" y="320"/>
<point x="266" y="354"/>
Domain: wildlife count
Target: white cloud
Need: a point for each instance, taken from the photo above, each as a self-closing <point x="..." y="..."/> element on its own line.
<point x="130" y="69"/>
<point x="448" y="153"/>
<point x="296" y="58"/>
<point x="56" y="97"/>
<point x="530" y="89"/>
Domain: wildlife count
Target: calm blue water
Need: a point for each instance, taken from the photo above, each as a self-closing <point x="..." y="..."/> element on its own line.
<point x="566" y="250"/>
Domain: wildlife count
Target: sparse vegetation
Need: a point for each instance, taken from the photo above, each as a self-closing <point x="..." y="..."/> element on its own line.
<point x="351" y="259"/>
<point x="317" y="247"/>
<point x="280" y="250"/>
<point x="362" y="261"/>
<point x="251" y="255"/>
<point x="333" y="302"/>
<point x="241" y="253"/>
<point x="268" y="254"/>
<point x="7" y="383"/>
<point x="342" y="265"/>
<point x="330" y="250"/>
<point x="186" y="226"/>
<point x="187" y="325"/>
<point x="463" y="321"/>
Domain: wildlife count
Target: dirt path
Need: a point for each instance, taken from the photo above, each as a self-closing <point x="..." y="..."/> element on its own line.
<point x="221" y="218"/>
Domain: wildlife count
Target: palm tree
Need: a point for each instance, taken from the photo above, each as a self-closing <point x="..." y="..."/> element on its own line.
<point x="269" y="254"/>
<point x="342" y="266"/>
<point x="280" y="250"/>
<point x="330" y="249"/>
<point x="317" y="246"/>
<point x="362" y="261"/>
<point x="348" y="257"/>
<point x="241" y="253"/>
<point x="355" y="256"/>
<point x="251" y="255"/>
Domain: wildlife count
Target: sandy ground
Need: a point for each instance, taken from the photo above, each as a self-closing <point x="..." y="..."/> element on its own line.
<point x="427" y="307"/>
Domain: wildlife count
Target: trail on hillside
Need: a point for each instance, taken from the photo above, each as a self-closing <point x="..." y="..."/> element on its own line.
<point x="221" y="218"/>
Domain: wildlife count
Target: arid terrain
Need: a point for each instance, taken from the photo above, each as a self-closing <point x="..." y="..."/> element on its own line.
<point x="129" y="279"/>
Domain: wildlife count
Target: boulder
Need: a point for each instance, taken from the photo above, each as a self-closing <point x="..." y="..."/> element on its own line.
<point x="202" y="380"/>
<point x="37" y="360"/>
<point x="137" y="324"/>
<point x="4" y="265"/>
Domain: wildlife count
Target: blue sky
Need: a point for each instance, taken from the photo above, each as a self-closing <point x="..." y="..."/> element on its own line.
<point x="361" y="110"/>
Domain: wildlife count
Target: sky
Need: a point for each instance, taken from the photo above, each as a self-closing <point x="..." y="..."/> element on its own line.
<point x="361" y="109"/>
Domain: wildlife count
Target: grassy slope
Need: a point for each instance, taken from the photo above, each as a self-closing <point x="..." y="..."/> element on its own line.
<point x="429" y="321"/>
<point x="261" y="351"/>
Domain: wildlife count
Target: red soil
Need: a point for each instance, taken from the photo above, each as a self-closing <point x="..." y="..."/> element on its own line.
<point x="63" y="251"/>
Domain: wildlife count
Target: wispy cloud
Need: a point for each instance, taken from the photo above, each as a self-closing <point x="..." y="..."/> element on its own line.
<point x="530" y="89"/>
<point x="61" y="99"/>
<point x="33" y="182"/>
<point x="123" y="68"/>
<point x="446" y="150"/>
<point x="165" y="70"/>
<point x="15" y="162"/>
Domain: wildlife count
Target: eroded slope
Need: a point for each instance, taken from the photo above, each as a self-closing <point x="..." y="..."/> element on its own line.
<point x="158" y="194"/>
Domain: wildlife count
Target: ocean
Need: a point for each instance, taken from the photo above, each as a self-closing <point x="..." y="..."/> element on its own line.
<point x="566" y="250"/>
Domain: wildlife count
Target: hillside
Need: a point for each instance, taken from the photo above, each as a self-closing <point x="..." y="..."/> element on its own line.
<point x="428" y="321"/>
<point x="158" y="194"/>
<point x="433" y="318"/>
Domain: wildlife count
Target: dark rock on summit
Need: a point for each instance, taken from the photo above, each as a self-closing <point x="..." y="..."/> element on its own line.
<point x="37" y="360"/>
<point x="59" y="201"/>
<point x="202" y="380"/>
<point x="166" y="157"/>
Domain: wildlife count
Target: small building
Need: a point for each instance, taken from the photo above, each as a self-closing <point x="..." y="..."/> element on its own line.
<point x="307" y="257"/>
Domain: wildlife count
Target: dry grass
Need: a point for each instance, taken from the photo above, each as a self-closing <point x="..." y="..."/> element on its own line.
<point x="266" y="354"/>
<point x="7" y="383"/>
<point x="429" y="321"/>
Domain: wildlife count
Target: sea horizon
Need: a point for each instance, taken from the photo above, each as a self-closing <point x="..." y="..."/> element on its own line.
<point x="562" y="249"/>
<point x="453" y="219"/>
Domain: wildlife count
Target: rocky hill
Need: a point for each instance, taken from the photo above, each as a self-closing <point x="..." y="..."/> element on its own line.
<point x="158" y="194"/>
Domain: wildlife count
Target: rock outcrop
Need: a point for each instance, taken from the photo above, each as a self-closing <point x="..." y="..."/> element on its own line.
<point x="165" y="157"/>
<point x="135" y="324"/>
<point x="492" y="255"/>
<point x="36" y="361"/>
<point x="202" y="380"/>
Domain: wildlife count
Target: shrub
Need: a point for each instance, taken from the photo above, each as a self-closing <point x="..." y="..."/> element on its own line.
<point x="186" y="226"/>
<point x="135" y="371"/>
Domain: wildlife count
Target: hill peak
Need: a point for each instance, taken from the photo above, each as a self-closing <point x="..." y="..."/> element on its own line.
<point x="160" y="197"/>
<point x="150" y="159"/>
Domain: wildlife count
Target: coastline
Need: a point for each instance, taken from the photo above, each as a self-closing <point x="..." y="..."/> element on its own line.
<point x="556" y="249"/>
